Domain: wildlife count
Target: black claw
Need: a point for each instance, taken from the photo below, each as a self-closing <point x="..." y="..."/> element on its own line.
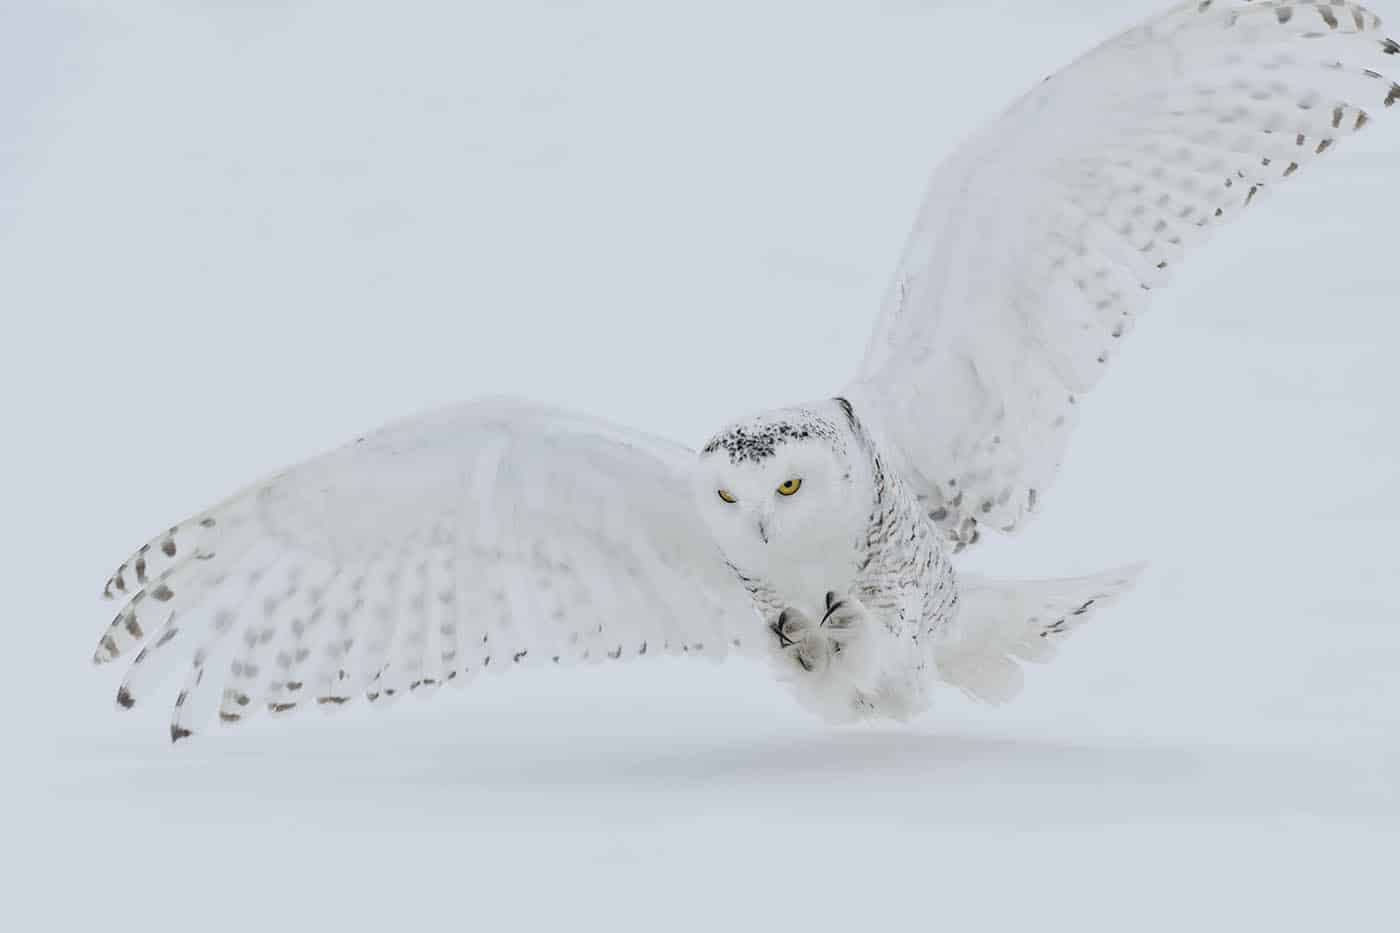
<point x="777" y="629"/>
<point x="831" y="607"/>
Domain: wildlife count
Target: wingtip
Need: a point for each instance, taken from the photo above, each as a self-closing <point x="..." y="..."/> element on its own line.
<point x="124" y="698"/>
<point x="106" y="651"/>
<point x="178" y="732"/>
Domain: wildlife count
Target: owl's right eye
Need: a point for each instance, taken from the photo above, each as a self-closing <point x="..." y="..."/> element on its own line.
<point x="724" y="494"/>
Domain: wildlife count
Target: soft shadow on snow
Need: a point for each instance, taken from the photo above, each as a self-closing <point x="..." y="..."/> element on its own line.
<point x="832" y="757"/>
<point x="856" y="776"/>
<point x="885" y="757"/>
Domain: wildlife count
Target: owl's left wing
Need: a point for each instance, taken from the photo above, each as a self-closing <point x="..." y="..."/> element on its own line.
<point x="481" y="537"/>
<point x="1041" y="237"/>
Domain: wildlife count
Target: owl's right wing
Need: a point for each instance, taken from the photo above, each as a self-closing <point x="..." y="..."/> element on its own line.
<point x="1041" y="237"/>
<point x="484" y="536"/>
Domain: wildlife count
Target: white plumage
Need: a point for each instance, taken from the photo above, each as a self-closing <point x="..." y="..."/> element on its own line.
<point x="500" y="533"/>
<point x="1042" y="237"/>
<point x="493" y="533"/>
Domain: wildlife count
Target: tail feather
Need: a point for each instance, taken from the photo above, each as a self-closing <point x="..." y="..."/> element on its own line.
<point x="1002" y="623"/>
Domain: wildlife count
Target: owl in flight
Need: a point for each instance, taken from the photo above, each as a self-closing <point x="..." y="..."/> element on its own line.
<point x="821" y="537"/>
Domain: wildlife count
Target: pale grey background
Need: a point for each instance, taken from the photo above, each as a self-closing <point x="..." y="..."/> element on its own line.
<point x="235" y="234"/>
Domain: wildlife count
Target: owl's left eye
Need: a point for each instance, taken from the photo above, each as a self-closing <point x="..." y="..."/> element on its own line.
<point x="790" y="487"/>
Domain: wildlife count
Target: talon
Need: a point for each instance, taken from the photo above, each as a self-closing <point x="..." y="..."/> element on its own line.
<point x="777" y="629"/>
<point x="831" y="607"/>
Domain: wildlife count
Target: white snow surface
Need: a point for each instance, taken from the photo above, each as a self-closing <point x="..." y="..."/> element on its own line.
<point x="234" y="235"/>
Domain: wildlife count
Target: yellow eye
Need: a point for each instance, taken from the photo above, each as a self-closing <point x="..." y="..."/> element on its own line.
<point x="790" y="487"/>
<point x="727" y="497"/>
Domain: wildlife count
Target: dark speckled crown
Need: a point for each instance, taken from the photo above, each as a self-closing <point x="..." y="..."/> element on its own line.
<point x="757" y="439"/>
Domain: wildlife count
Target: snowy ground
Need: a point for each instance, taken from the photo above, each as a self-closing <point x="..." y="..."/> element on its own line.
<point x="232" y="235"/>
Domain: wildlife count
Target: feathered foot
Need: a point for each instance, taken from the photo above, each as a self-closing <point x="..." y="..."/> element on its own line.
<point x="835" y="648"/>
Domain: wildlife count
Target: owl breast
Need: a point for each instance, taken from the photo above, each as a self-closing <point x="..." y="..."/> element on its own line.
<point x="904" y="575"/>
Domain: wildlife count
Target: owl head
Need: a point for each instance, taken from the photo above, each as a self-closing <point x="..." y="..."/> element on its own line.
<point x="783" y="483"/>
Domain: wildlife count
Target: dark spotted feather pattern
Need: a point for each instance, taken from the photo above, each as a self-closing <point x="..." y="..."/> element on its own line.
<point x="476" y="539"/>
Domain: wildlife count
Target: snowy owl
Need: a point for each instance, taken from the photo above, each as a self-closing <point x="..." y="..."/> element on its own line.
<point x="820" y="537"/>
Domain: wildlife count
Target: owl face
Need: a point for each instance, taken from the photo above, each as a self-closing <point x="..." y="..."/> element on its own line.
<point x="777" y="486"/>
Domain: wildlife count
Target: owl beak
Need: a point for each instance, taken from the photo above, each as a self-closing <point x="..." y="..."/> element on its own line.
<point x="763" y="529"/>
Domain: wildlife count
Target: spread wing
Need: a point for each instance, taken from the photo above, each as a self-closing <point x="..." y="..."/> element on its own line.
<point x="1041" y="238"/>
<point x="481" y="537"/>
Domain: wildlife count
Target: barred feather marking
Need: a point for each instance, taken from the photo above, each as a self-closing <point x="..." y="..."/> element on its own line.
<point x="182" y="580"/>
<point x="251" y="672"/>
<point x="203" y="690"/>
<point x="293" y="654"/>
<point x="1001" y="623"/>
<point x="156" y="556"/>
<point x="449" y="605"/>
